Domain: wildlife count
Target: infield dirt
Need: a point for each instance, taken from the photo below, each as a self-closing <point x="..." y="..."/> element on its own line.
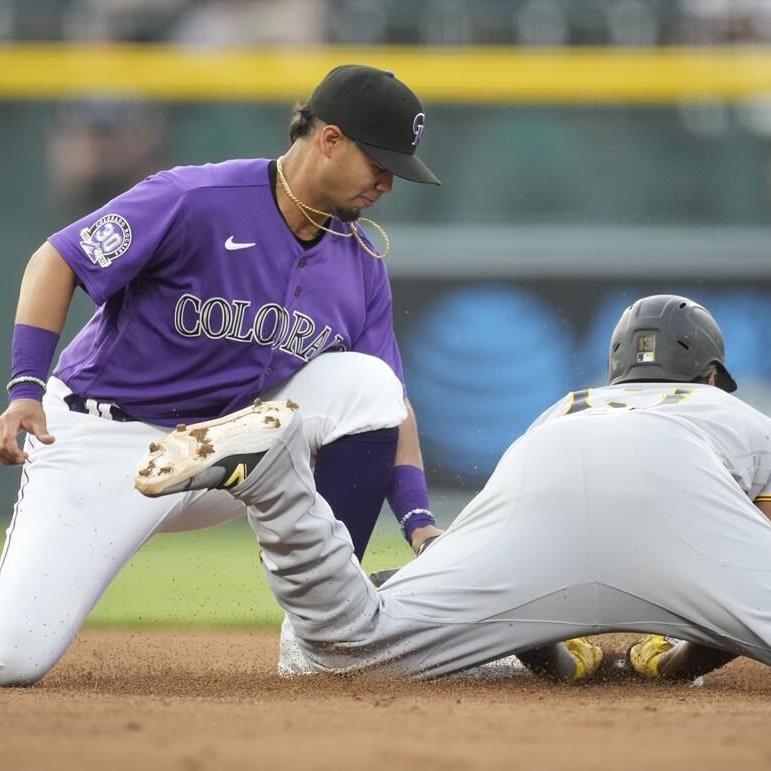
<point x="205" y="700"/>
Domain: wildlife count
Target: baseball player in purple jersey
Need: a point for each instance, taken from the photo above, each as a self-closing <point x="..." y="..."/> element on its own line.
<point x="214" y="285"/>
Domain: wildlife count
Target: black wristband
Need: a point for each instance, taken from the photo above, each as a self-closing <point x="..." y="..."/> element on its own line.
<point x="426" y="544"/>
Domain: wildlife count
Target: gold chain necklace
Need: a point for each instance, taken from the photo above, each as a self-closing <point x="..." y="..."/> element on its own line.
<point x="304" y="209"/>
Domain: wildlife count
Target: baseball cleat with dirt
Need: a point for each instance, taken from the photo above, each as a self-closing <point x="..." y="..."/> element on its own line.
<point x="644" y="657"/>
<point x="586" y="655"/>
<point x="217" y="453"/>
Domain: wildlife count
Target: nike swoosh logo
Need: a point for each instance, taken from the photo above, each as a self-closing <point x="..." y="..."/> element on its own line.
<point x="232" y="245"/>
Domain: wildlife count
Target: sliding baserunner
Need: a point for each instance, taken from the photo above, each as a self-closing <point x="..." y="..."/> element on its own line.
<point x="638" y="506"/>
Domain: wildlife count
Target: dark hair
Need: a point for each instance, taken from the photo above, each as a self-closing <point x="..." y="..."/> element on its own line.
<point x="302" y="123"/>
<point x="707" y="372"/>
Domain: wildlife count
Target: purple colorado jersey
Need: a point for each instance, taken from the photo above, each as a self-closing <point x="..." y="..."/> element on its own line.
<point x="206" y="298"/>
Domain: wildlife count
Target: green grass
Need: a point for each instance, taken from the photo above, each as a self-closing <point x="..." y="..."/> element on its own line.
<point x="210" y="578"/>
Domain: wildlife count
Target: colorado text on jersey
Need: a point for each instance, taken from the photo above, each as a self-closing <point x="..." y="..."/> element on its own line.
<point x="273" y="325"/>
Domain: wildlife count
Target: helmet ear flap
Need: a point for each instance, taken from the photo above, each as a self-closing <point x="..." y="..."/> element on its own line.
<point x="724" y="380"/>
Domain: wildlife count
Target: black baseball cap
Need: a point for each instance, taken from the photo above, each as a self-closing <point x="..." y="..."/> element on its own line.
<point x="378" y="112"/>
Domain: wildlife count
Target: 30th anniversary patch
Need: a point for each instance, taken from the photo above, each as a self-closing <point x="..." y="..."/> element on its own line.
<point x="106" y="240"/>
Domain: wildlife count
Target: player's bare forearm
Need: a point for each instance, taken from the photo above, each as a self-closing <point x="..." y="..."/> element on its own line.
<point x="46" y="290"/>
<point x="408" y="448"/>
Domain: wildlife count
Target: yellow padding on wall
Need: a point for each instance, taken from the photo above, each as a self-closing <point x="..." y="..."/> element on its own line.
<point x="460" y="75"/>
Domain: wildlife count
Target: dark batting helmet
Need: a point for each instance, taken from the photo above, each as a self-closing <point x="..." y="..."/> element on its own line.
<point x="667" y="338"/>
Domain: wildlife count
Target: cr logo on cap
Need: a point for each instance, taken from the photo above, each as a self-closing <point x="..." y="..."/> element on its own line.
<point x="418" y="124"/>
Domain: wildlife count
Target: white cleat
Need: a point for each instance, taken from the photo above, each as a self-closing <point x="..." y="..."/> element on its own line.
<point x="218" y="453"/>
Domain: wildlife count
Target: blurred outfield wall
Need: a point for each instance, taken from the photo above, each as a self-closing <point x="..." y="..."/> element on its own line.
<point x="573" y="182"/>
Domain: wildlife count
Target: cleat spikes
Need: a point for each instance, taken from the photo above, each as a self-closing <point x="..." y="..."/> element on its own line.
<point x="214" y="454"/>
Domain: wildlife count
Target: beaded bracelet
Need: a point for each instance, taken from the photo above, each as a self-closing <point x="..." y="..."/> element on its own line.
<point x="25" y="379"/>
<point x="406" y="518"/>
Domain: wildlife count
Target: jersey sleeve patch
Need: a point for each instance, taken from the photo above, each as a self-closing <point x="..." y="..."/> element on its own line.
<point x="106" y="240"/>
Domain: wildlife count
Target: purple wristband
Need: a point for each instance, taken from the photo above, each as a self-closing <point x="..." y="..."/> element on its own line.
<point x="408" y="498"/>
<point x="415" y="519"/>
<point x="32" y="351"/>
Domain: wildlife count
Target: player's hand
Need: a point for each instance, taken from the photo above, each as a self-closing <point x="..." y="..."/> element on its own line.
<point x="420" y="534"/>
<point x="422" y="538"/>
<point x="21" y="415"/>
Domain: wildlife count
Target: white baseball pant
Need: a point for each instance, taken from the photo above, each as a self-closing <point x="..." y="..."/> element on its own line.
<point x="78" y="519"/>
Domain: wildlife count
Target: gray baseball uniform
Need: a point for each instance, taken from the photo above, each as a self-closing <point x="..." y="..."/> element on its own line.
<point x="626" y="508"/>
